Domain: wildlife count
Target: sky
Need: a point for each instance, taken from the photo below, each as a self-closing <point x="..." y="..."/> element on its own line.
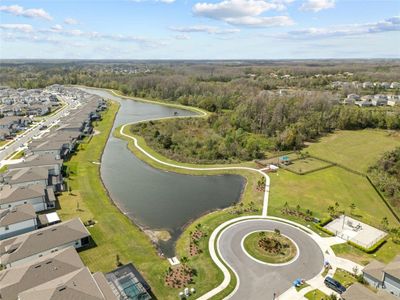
<point x="199" y="29"/>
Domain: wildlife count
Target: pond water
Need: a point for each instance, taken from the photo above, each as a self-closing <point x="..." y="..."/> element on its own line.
<point x="152" y="198"/>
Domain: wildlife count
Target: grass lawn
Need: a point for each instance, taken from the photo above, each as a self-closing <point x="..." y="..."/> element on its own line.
<point x="307" y="164"/>
<point x="385" y="253"/>
<point x="316" y="295"/>
<point x="285" y="254"/>
<point x="357" y="150"/>
<point x="316" y="191"/>
<point x="344" y="277"/>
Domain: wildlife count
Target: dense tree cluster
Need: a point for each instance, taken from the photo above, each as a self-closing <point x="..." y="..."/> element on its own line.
<point x="386" y="174"/>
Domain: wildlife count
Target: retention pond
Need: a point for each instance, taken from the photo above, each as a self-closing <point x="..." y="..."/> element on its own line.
<point x="154" y="199"/>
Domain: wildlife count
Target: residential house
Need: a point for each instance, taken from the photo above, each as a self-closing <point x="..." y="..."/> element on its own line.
<point x="20" y="278"/>
<point x="26" y="176"/>
<point x="395" y="85"/>
<point x="38" y="195"/>
<point x="359" y="292"/>
<point x="51" y="162"/>
<point x="367" y="85"/>
<point x="384" y="277"/>
<point x="33" y="245"/>
<point x="17" y="220"/>
<point x="379" y="100"/>
<point x="60" y="275"/>
<point x="391" y="277"/>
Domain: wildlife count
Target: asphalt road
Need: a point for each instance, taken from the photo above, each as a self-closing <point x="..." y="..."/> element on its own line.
<point x="260" y="281"/>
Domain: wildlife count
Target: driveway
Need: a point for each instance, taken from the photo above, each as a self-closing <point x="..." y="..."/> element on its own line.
<point x="261" y="281"/>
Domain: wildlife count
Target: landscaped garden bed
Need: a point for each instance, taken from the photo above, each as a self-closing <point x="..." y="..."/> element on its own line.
<point x="270" y="247"/>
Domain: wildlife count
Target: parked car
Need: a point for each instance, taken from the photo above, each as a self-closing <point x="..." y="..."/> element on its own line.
<point x="334" y="285"/>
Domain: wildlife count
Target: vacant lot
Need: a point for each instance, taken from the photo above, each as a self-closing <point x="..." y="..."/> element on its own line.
<point x="357" y="150"/>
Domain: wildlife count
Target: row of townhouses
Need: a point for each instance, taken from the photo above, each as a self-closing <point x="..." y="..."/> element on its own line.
<point x="372" y="100"/>
<point x="365" y="85"/>
<point x="38" y="252"/>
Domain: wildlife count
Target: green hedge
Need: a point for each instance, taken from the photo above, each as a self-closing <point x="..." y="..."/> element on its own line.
<point x="321" y="225"/>
<point x="371" y="249"/>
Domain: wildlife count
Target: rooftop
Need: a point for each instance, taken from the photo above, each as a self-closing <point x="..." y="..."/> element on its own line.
<point x="31" y="243"/>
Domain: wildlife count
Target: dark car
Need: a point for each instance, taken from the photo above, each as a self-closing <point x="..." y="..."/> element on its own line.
<point x="334" y="285"/>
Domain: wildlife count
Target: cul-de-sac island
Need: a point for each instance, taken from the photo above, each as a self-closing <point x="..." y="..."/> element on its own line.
<point x="194" y="180"/>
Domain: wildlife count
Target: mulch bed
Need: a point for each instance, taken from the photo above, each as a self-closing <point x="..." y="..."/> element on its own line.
<point x="179" y="276"/>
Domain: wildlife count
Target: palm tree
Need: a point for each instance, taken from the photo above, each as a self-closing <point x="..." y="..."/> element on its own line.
<point x="385" y="223"/>
<point x="331" y="210"/>
<point x="352" y="208"/>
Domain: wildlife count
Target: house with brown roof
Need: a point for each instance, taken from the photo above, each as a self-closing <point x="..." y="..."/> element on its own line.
<point x="17" y="220"/>
<point x="27" y="247"/>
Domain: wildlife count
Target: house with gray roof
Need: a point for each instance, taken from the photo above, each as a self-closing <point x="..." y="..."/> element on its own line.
<point x="77" y="285"/>
<point x="384" y="276"/>
<point x="18" y="279"/>
<point x="359" y="292"/>
<point x="39" y="243"/>
<point x="391" y="277"/>
<point x="51" y="162"/>
<point x="38" y="195"/>
<point x="17" y="220"/>
<point x="26" y="176"/>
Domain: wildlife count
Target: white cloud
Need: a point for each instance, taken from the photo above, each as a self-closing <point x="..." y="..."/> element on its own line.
<point x="204" y="28"/>
<point x="71" y="21"/>
<point x="387" y="25"/>
<point x="18" y="10"/>
<point x="28" y="33"/>
<point x="26" y="28"/>
<point x="56" y="27"/>
<point x="244" y="12"/>
<point x="261" y="21"/>
<point x="317" y="5"/>
<point x="182" y="37"/>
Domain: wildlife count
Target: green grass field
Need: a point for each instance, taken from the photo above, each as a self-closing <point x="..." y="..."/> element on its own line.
<point x="357" y="149"/>
<point x="316" y="191"/>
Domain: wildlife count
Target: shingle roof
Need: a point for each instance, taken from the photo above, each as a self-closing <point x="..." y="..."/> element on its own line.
<point x="17" y="214"/>
<point x="11" y="194"/>
<point x="28" y="174"/>
<point x="37" y="161"/>
<point x="374" y="269"/>
<point x="41" y="240"/>
<point x="77" y="285"/>
<point x="359" y="292"/>
<point x="20" y="278"/>
<point x="393" y="268"/>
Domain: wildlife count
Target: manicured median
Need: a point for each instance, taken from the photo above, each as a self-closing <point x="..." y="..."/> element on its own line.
<point x="270" y="247"/>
